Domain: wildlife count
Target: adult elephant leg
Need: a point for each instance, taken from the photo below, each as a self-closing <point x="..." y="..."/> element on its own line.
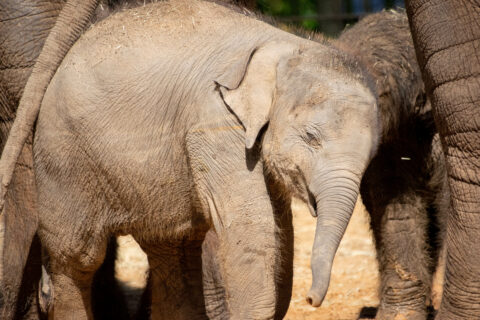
<point x="446" y="35"/>
<point x="27" y="307"/>
<point x="19" y="289"/>
<point x="176" y="279"/>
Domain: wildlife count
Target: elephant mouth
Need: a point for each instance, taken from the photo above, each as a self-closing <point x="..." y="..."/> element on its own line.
<point x="308" y="199"/>
<point x="303" y="193"/>
<point x="312" y="204"/>
<point x="293" y="182"/>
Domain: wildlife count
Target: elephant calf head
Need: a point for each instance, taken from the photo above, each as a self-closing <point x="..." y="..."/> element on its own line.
<point x="323" y="130"/>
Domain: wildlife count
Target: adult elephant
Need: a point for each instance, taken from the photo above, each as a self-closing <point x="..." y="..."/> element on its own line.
<point x="446" y="35"/>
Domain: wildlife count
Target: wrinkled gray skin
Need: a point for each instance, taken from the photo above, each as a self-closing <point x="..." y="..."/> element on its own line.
<point x="173" y="160"/>
<point x="404" y="188"/>
<point x="447" y="37"/>
<point x="24" y="27"/>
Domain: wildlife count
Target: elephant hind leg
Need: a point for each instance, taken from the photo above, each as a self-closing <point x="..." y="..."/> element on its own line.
<point x="400" y="230"/>
<point x="19" y="247"/>
<point x="72" y="264"/>
<point x="72" y="280"/>
<point x="176" y="279"/>
<point x="71" y="293"/>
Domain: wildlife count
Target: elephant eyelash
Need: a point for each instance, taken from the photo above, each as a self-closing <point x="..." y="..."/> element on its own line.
<point x="312" y="139"/>
<point x="313" y="136"/>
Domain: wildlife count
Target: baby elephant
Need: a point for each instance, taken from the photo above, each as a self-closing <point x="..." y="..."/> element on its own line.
<point x="178" y="117"/>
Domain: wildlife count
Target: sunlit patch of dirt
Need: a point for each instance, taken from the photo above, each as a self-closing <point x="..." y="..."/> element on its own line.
<point x="354" y="280"/>
<point x="131" y="270"/>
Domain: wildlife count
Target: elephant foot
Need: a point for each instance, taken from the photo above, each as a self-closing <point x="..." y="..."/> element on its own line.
<point x="391" y="313"/>
<point x="403" y="299"/>
<point x="446" y="313"/>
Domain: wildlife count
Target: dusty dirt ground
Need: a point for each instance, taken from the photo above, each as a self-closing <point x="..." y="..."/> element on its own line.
<point x="353" y="287"/>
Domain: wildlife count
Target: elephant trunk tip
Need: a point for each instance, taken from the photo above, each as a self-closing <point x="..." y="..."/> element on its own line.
<point x="315" y="296"/>
<point x="320" y="281"/>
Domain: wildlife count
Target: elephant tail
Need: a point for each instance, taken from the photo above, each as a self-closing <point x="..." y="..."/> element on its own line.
<point x="70" y="24"/>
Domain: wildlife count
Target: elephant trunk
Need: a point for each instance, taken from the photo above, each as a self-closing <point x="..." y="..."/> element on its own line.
<point x="335" y="199"/>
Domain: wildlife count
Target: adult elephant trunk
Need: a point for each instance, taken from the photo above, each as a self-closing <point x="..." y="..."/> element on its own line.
<point x="335" y="196"/>
<point x="70" y="24"/>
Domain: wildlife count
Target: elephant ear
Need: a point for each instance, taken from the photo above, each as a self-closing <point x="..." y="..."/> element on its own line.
<point x="251" y="92"/>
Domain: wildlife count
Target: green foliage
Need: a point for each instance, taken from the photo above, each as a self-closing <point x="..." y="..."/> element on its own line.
<point x="288" y="8"/>
<point x="327" y="16"/>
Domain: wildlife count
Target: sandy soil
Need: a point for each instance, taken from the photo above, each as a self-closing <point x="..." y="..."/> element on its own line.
<point x="353" y="287"/>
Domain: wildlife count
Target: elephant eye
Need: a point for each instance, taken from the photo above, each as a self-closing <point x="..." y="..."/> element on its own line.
<point x="312" y="139"/>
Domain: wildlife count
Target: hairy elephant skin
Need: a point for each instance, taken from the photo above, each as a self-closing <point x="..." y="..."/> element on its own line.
<point x="109" y="151"/>
<point x="447" y="36"/>
<point x="404" y="188"/>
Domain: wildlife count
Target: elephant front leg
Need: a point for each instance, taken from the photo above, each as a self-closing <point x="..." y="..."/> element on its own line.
<point x="400" y="230"/>
<point x="213" y="284"/>
<point x="176" y="279"/>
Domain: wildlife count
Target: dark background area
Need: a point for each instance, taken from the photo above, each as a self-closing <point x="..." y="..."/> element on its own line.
<point x="327" y="16"/>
